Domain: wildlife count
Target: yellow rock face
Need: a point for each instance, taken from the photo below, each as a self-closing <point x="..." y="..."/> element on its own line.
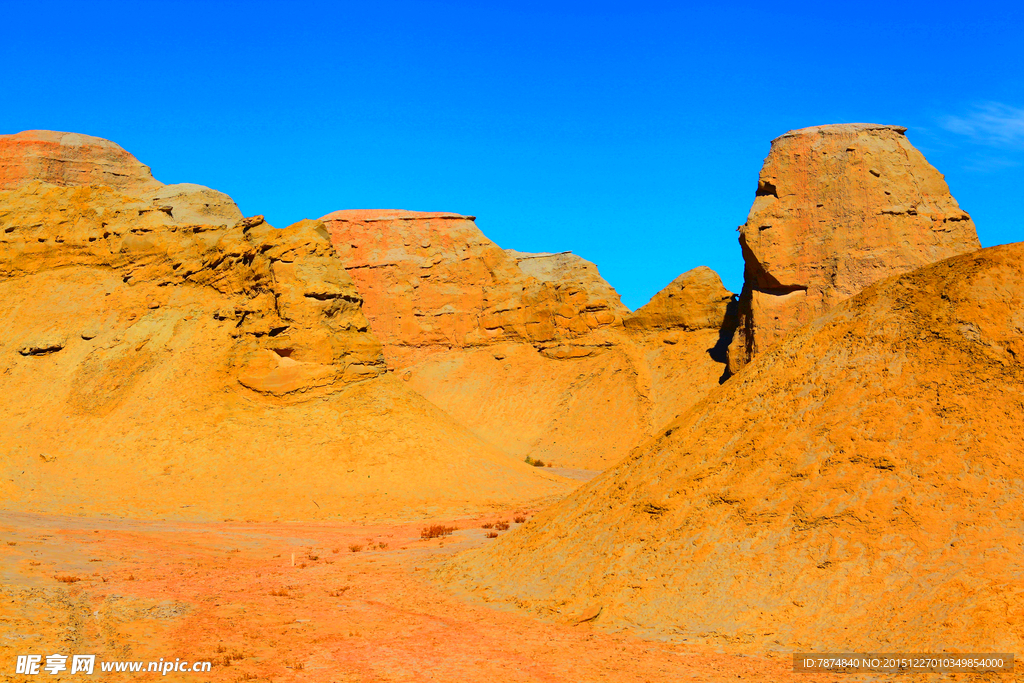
<point x="838" y="208"/>
<point x="533" y="352"/>
<point x="157" y="366"/>
<point x="857" y="487"/>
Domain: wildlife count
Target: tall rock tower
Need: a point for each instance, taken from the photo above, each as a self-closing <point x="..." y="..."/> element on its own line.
<point x="838" y="208"/>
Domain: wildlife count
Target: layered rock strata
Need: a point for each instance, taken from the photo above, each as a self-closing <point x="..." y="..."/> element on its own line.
<point x="165" y="357"/>
<point x="534" y="352"/>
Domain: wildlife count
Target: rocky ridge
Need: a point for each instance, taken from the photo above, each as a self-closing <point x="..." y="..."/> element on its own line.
<point x="533" y="352"/>
<point x="808" y="503"/>
<point x="167" y="357"/>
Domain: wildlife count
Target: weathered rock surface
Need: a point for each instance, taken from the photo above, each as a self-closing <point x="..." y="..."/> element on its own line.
<point x="70" y="159"/>
<point x="838" y="208"/>
<point x="164" y="359"/>
<point x="530" y="351"/>
<point x="857" y="488"/>
<point x="696" y="300"/>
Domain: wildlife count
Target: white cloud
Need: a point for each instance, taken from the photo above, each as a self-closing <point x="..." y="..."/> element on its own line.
<point x="991" y="123"/>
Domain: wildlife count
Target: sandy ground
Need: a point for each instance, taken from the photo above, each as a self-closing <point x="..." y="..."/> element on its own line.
<point x="229" y="593"/>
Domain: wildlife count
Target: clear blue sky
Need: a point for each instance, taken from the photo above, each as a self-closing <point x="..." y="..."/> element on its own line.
<point x="630" y="133"/>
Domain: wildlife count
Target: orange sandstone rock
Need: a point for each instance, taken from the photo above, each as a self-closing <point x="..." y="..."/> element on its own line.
<point x="530" y="351"/>
<point x="69" y="159"/>
<point x="857" y="488"/>
<point x="838" y="208"/>
<point x="164" y="360"/>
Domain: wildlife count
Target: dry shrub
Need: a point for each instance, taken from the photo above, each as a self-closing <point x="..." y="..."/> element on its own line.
<point x="535" y="463"/>
<point x="489" y="525"/>
<point x="279" y="593"/>
<point x="355" y="547"/>
<point x="519" y="519"/>
<point x="12" y="543"/>
<point x="492" y="534"/>
<point x="335" y="550"/>
<point x="382" y="546"/>
<point x="67" y="578"/>
<point x="501" y="526"/>
<point x="312" y="557"/>
<point x="436" y="531"/>
<point x="338" y="592"/>
<point x="34" y="564"/>
<point x="131" y="577"/>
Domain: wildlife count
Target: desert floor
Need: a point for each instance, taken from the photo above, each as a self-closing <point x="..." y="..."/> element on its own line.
<point x="228" y="592"/>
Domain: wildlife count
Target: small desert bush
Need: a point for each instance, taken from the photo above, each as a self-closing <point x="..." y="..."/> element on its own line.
<point x="338" y="592"/>
<point x="519" y="519"/>
<point x="489" y="525"/>
<point x="492" y="534"/>
<point x="67" y="578"/>
<point x="355" y="547"/>
<point x="436" y="531"/>
<point x="501" y="526"/>
<point x="535" y="463"/>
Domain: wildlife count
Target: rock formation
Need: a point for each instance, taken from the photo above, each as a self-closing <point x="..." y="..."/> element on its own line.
<point x="857" y="488"/>
<point x="165" y="357"/>
<point x="838" y="208"/>
<point x="533" y="352"/>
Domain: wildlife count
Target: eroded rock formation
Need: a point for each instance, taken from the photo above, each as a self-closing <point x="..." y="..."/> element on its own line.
<point x="164" y="356"/>
<point x="857" y="487"/>
<point x="838" y="208"/>
<point x="534" y="352"/>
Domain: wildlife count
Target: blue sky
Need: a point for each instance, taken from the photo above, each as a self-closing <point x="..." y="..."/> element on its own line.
<point x="629" y="133"/>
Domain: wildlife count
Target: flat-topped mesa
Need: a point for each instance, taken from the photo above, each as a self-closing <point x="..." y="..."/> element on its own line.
<point x="433" y="281"/>
<point x="527" y="350"/>
<point x="696" y="300"/>
<point x="838" y="208"/>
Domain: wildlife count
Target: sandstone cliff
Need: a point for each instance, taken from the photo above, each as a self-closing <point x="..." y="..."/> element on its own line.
<point x="838" y="208"/>
<point x="856" y="488"/>
<point x="533" y="352"/>
<point x="165" y="357"/>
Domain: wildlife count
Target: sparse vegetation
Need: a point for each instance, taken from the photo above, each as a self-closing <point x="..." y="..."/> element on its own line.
<point x="501" y="526"/>
<point x="519" y="519"/>
<point x="355" y="547"/>
<point x="277" y="593"/>
<point x="436" y="531"/>
<point x="489" y="525"/>
<point x="492" y="534"/>
<point x="67" y="578"/>
<point x="338" y="592"/>
<point x="535" y="463"/>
